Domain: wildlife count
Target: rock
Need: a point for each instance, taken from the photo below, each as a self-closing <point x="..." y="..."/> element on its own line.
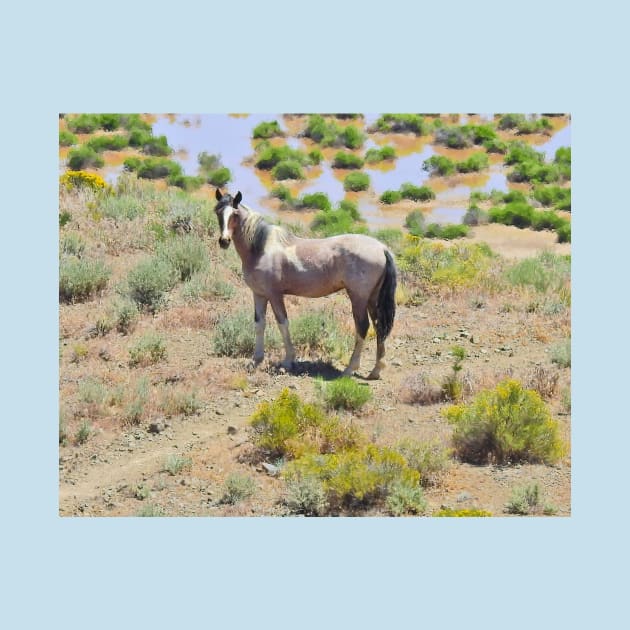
<point x="232" y="430"/>
<point x="270" y="468"/>
<point x="157" y="427"/>
<point x="397" y="362"/>
<point x="463" y="496"/>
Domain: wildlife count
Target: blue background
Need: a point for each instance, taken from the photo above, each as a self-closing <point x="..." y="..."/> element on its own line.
<point x="324" y="56"/>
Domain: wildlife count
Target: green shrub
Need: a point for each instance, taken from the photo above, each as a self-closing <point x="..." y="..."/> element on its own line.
<point x="83" y="433"/>
<point x="147" y="350"/>
<point x="453" y="388"/>
<point x="64" y="218"/>
<point x="156" y="145"/>
<point x="320" y="131"/>
<point x="474" y="163"/>
<point x="343" y="220"/>
<point x="380" y="155"/>
<point x="356" y="181"/>
<point x="439" y="165"/>
<point x="186" y="254"/>
<point x="446" y="232"/>
<point x="125" y="316"/>
<point x="151" y="511"/>
<point x="347" y="160"/>
<point x="415" y="222"/>
<point x="153" y="167"/>
<point x="344" y="393"/>
<point x="416" y="193"/>
<point x="139" y="137"/>
<point x="430" y="459"/>
<point x="110" y="122"/>
<point x="519" y="152"/>
<point x="306" y="495"/>
<point x="515" y="213"/>
<point x="238" y="488"/>
<point x="555" y="196"/>
<point x="83" y="157"/>
<point x="453" y="266"/>
<point x="205" y="286"/>
<point x="67" y="138"/>
<point x="287" y="169"/>
<point x="81" y="278"/>
<point x="358" y="477"/>
<point x="148" y="282"/>
<point x="535" y="173"/>
<point x="208" y="162"/>
<point x="453" y="137"/>
<point x="544" y="272"/>
<point x="83" y="123"/>
<point x="72" y="244"/>
<point x="506" y="425"/>
<point x="267" y="130"/>
<point x="351" y="137"/>
<point x="110" y="142"/>
<point x="270" y="156"/>
<point x="510" y="121"/>
<point x="234" y="336"/>
<point x="564" y="233"/>
<point x="174" y="403"/>
<point x="176" y="464"/>
<point x="405" y="498"/>
<point x="319" y="330"/>
<point x="538" y="125"/>
<point x="475" y="216"/>
<point x="317" y="200"/>
<point x="561" y="353"/>
<point x="284" y="194"/>
<point x="220" y="177"/>
<point x="121" y="207"/>
<point x="391" y="196"/>
<point x="392" y="237"/>
<point x="289" y="427"/>
<point x="528" y="501"/>
<point x="401" y="123"/>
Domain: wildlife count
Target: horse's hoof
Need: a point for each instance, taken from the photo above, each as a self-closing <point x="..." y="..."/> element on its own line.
<point x="373" y="376"/>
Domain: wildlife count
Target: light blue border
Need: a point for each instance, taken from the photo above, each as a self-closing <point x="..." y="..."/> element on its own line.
<point x="279" y="573"/>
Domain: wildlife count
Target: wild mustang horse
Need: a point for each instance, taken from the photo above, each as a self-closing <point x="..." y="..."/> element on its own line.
<point x="276" y="263"/>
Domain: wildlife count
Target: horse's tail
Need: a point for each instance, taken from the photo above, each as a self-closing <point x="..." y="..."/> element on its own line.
<point x="386" y="301"/>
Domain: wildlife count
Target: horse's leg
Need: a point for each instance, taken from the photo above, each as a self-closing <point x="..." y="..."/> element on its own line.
<point x="361" y="326"/>
<point x="260" y="316"/>
<point x="380" y="346"/>
<point x="280" y="311"/>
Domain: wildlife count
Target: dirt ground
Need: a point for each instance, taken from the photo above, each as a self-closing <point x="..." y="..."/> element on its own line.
<point x="120" y="471"/>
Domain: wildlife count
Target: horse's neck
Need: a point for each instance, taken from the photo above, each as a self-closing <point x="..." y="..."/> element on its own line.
<point x="240" y="242"/>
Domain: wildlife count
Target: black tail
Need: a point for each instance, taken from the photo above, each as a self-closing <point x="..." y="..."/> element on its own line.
<point x="386" y="302"/>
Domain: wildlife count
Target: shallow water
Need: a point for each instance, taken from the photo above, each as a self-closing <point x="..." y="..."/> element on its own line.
<point x="230" y="137"/>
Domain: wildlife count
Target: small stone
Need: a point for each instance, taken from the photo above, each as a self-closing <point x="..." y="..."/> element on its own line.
<point x="397" y="362"/>
<point x="463" y="496"/>
<point x="232" y="430"/>
<point x="218" y="412"/>
<point x="270" y="468"/>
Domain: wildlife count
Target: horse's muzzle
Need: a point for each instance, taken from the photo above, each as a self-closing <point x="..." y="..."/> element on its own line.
<point x="224" y="242"/>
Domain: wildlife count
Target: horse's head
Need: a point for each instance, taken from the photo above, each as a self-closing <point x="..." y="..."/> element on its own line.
<point x="228" y="214"/>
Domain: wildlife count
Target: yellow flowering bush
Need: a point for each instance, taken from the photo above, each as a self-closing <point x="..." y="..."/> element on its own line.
<point x="83" y="179"/>
<point x="505" y="425"/>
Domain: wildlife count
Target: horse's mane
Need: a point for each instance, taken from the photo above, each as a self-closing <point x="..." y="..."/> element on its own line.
<point x="256" y="232"/>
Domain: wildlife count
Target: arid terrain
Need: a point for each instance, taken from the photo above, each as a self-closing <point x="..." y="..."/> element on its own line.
<point x="114" y="462"/>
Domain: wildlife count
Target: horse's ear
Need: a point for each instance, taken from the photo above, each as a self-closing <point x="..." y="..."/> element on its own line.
<point x="237" y="199"/>
<point x="218" y="194"/>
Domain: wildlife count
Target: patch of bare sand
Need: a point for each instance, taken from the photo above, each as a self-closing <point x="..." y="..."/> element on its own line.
<point x="513" y="242"/>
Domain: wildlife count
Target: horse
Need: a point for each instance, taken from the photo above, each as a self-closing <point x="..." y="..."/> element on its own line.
<point x="277" y="263"/>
